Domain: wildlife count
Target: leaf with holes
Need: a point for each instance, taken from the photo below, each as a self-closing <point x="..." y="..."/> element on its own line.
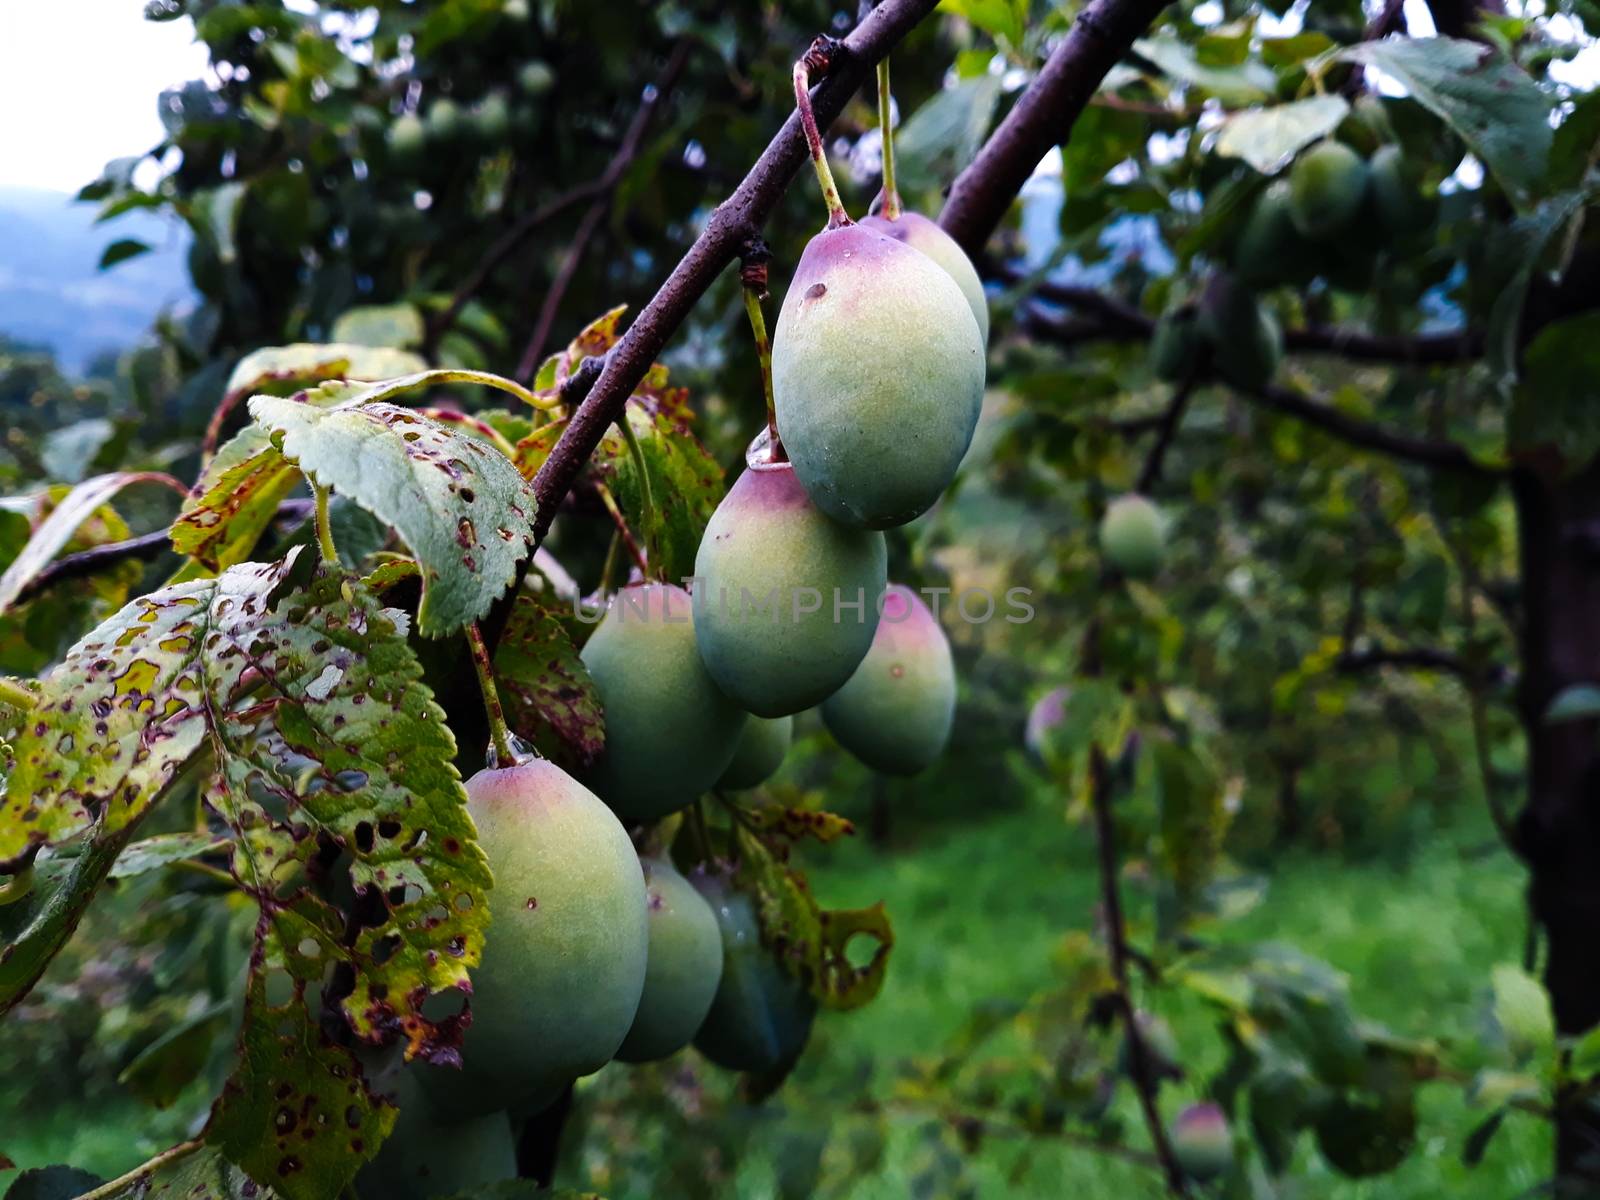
<point x="462" y="508"/>
<point x="549" y="698"/>
<point x="76" y="507"/>
<point x="1481" y="93"/>
<point x="115" y="721"/>
<point x="807" y="940"/>
<point x="234" y="501"/>
<point x="297" y="1110"/>
<point x="325" y="732"/>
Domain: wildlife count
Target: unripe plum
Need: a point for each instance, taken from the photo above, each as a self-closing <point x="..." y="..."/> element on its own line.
<point x="1133" y="536"/>
<point x="1270" y="249"/>
<point x="877" y="373"/>
<point x="918" y="232"/>
<point x="1326" y="187"/>
<point x="1175" y="345"/>
<point x="772" y="578"/>
<point x="896" y="712"/>
<point x="761" y="752"/>
<point x="670" y="732"/>
<point x="761" y="1017"/>
<point x="1202" y="1143"/>
<point x="564" y="964"/>
<point x="1397" y="191"/>
<point x="1048" y="711"/>
<point x="1247" y="339"/>
<point x="425" y="1156"/>
<point x="684" y="967"/>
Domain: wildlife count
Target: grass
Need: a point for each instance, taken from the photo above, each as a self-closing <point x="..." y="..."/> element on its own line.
<point x="979" y="910"/>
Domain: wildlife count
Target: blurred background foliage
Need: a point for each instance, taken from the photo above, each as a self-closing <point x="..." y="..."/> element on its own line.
<point x="478" y="179"/>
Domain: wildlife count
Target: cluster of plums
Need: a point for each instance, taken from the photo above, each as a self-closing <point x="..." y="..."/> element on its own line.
<point x="1341" y="204"/>
<point x="595" y="954"/>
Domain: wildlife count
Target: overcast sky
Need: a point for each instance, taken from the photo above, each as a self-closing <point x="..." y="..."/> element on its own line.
<point x="78" y="86"/>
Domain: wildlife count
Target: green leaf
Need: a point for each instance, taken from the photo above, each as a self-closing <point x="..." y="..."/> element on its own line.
<point x="999" y="18"/>
<point x="1554" y="412"/>
<point x="669" y="505"/>
<point x="813" y="941"/>
<point x="1193" y="817"/>
<point x="214" y="213"/>
<point x="153" y="853"/>
<point x="461" y="506"/>
<point x="1576" y="702"/>
<point x="946" y="131"/>
<point x="1522" y="1010"/>
<point x="1476" y="89"/>
<point x="81" y="503"/>
<point x="34" y="928"/>
<point x="160" y="1072"/>
<point x="1496" y="1089"/>
<point x="284" y="370"/>
<point x="1267" y="138"/>
<point x="396" y="325"/>
<point x="1523" y="246"/>
<point x="200" y="1173"/>
<point x="1250" y="83"/>
<point x="52" y="1183"/>
<point x="549" y="699"/>
<point x="121" y="250"/>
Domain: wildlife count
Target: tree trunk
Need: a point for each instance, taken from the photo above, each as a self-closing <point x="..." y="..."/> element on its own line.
<point x="1559" y="830"/>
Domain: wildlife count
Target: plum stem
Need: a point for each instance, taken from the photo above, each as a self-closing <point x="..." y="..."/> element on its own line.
<point x="330" y="552"/>
<point x="626" y="534"/>
<point x="499" y="735"/>
<point x="891" y="194"/>
<point x="758" y="327"/>
<point x="837" y="217"/>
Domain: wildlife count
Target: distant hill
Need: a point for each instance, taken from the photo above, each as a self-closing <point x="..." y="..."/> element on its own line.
<point x="52" y="291"/>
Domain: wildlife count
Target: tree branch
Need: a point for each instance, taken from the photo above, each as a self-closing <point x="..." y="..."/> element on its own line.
<point x="1118" y="321"/>
<point x="606" y="188"/>
<point x="718" y="245"/>
<point x="1043" y="117"/>
<point x="1369" y="436"/>
<point x="144" y="547"/>
<point x="1413" y="658"/>
<point x="1121" y="321"/>
<point x="1166" y="431"/>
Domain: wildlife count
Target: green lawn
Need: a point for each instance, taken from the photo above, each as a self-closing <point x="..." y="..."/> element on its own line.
<point x="979" y="910"/>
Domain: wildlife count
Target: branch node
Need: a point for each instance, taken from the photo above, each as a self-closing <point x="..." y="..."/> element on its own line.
<point x="754" y="257"/>
<point x="821" y="55"/>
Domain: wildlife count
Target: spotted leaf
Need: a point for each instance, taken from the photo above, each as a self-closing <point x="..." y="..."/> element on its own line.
<point x="550" y="701"/>
<point x="461" y="506"/>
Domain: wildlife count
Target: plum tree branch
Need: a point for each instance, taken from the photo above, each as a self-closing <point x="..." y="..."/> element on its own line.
<point x="1115" y="321"/>
<point x="718" y="245"/>
<point x="1043" y="117"/>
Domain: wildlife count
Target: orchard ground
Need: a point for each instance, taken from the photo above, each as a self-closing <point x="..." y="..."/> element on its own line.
<point x="980" y="906"/>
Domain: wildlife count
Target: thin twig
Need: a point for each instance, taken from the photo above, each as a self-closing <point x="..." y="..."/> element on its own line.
<point x="499" y="734"/>
<point x="621" y="522"/>
<point x="1140" y="1058"/>
<point x="1166" y="431"/>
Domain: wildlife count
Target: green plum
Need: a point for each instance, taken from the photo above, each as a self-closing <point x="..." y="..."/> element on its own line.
<point x="761" y="752"/>
<point x="918" y="232"/>
<point x="761" y="1017"/>
<point x="1133" y="536"/>
<point x="1327" y="184"/>
<point x="670" y="732"/>
<point x="684" y="968"/>
<point x="1202" y="1143"/>
<point x="773" y="579"/>
<point x="1175" y="345"/>
<point x="425" y="1156"/>
<point x="564" y="964"/>
<point x="1402" y="206"/>
<point x="1246" y="340"/>
<point x="877" y="373"/>
<point x="896" y="712"/>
